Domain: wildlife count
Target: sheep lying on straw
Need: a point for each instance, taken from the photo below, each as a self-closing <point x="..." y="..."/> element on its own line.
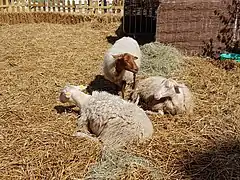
<point x="162" y="95"/>
<point x="121" y="62"/>
<point x="115" y="121"/>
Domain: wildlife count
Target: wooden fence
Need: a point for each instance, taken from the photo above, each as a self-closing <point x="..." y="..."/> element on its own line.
<point x="68" y="6"/>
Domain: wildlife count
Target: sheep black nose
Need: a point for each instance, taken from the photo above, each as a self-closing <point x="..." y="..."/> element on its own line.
<point x="135" y="70"/>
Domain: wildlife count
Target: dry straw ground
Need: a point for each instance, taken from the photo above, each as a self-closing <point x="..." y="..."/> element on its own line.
<point x="38" y="59"/>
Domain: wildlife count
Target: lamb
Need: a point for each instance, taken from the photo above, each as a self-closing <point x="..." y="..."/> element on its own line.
<point x="115" y="121"/>
<point x="122" y="62"/>
<point x="160" y="95"/>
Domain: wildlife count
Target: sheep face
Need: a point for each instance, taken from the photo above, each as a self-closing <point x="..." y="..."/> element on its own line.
<point x="168" y="88"/>
<point x="68" y="90"/>
<point x="127" y="62"/>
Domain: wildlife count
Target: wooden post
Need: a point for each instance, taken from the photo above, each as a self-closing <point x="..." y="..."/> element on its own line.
<point x="58" y="4"/>
<point x="44" y="5"/>
<point x="63" y="6"/>
<point x="1" y="4"/>
<point x="53" y="5"/>
<point x="39" y="4"/>
<point x="12" y="6"/>
<point x="69" y="6"/>
<point x="34" y="5"/>
<point x="18" y="5"/>
<point x="90" y="6"/>
<point x="49" y="5"/>
<point x="74" y="6"/>
<point x="29" y="5"/>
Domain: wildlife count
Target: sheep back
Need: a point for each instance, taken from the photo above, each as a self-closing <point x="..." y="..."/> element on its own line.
<point x="147" y="87"/>
<point x="123" y="45"/>
<point x="176" y="104"/>
<point x="116" y="121"/>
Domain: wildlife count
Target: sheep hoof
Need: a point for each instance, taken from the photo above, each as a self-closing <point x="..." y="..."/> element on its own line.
<point x="122" y="94"/>
<point x="160" y="112"/>
<point x="155" y="113"/>
<point x="80" y="134"/>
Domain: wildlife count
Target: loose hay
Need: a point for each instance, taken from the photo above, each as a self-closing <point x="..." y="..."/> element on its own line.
<point x="160" y="59"/>
<point x="119" y="164"/>
<point x="38" y="59"/>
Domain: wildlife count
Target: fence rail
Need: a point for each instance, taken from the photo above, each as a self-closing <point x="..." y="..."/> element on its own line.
<point x="70" y="6"/>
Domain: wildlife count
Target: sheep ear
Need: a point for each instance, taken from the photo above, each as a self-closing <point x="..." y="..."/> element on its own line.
<point x="68" y="94"/>
<point x="67" y="84"/>
<point x="176" y="88"/>
<point x="117" y="56"/>
<point x="82" y="87"/>
<point x="135" y="57"/>
<point x="157" y="95"/>
<point x="170" y="83"/>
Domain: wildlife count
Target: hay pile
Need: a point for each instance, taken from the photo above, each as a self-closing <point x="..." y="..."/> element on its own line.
<point x="160" y="59"/>
<point x="120" y="164"/>
<point x="38" y="59"/>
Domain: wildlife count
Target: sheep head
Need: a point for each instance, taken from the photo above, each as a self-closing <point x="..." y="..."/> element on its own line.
<point x="71" y="93"/>
<point x="168" y="88"/>
<point x="127" y="62"/>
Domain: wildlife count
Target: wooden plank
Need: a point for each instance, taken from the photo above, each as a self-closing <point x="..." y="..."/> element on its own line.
<point x="12" y="6"/>
<point x="90" y="4"/>
<point x="34" y="6"/>
<point x="18" y="5"/>
<point x="29" y="5"/>
<point x="53" y="5"/>
<point x="69" y="6"/>
<point x="58" y="4"/>
<point x="4" y="6"/>
<point x="74" y="6"/>
<point x="1" y="4"/>
<point x="39" y="5"/>
<point x="7" y="4"/>
<point x="23" y="5"/>
<point x="98" y="6"/>
<point x="86" y="4"/>
<point x="44" y="5"/>
<point x="49" y="5"/>
<point x="64" y="5"/>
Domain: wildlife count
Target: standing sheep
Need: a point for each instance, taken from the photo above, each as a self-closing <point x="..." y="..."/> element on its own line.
<point x="122" y="62"/>
<point x="162" y="95"/>
<point x="115" y="121"/>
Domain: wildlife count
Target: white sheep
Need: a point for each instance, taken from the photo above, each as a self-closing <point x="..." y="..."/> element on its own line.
<point x="161" y="95"/>
<point x="114" y="121"/>
<point x="121" y="62"/>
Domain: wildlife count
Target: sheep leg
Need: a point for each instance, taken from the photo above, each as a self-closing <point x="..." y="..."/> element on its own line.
<point x="134" y="80"/>
<point x="160" y="112"/>
<point x="81" y="134"/>
<point x="82" y="128"/>
<point x="123" y="87"/>
<point x="135" y="98"/>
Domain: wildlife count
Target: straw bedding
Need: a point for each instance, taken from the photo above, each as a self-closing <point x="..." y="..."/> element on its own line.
<point x="38" y="59"/>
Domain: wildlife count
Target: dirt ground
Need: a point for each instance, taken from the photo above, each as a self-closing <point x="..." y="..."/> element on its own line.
<point x="37" y="60"/>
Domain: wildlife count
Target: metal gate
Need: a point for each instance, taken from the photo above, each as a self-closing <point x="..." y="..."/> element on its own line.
<point x="140" y="17"/>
